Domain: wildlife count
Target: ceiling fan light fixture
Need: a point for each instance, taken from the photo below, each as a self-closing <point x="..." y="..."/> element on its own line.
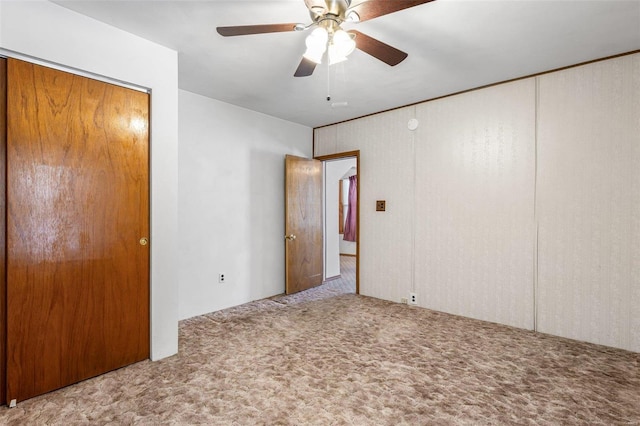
<point x="342" y="44"/>
<point x="334" y="56"/>
<point x="327" y="16"/>
<point x="316" y="45"/>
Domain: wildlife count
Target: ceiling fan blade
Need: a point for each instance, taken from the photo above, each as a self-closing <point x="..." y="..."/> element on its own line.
<point x="305" y="68"/>
<point x="255" y="29"/>
<point x="370" y="9"/>
<point x="378" y="49"/>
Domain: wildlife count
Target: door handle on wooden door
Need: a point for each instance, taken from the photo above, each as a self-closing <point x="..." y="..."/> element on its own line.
<point x="290" y="237"/>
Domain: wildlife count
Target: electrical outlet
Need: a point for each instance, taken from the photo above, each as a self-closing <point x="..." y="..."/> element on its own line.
<point x="413" y="299"/>
<point x="221" y="278"/>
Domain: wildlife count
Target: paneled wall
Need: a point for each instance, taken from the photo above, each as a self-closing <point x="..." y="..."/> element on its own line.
<point x="474" y="204"/>
<point x="387" y="263"/>
<point x="589" y="203"/>
<point x="517" y="204"/>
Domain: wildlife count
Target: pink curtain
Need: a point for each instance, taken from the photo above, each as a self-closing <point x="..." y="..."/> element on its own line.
<point x="350" y="230"/>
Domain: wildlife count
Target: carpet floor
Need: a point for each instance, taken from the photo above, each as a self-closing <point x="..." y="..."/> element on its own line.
<point x="326" y="357"/>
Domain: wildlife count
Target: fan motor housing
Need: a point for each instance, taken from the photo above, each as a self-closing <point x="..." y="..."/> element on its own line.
<point x="320" y="8"/>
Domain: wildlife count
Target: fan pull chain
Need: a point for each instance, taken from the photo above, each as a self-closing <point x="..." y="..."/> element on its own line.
<point x="328" y="81"/>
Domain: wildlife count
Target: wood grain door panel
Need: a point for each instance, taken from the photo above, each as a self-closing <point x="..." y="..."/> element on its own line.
<point x="303" y="211"/>
<point x="78" y="204"/>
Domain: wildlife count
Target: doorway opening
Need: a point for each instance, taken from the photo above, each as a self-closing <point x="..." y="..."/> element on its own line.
<point x="341" y="227"/>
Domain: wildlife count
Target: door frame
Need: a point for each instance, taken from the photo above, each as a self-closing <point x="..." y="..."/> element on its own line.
<point x="343" y="156"/>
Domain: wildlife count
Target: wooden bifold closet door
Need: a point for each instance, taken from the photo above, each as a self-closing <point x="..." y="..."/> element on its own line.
<point x="3" y="217"/>
<point x="77" y="222"/>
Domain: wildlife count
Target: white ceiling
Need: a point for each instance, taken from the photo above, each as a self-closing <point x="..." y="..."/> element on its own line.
<point x="453" y="46"/>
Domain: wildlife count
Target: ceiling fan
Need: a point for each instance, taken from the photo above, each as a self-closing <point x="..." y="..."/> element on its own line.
<point x="327" y="17"/>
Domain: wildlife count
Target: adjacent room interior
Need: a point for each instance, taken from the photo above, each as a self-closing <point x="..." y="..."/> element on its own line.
<point x="472" y="177"/>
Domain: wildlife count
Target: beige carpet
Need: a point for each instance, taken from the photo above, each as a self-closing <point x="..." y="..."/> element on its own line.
<point x="326" y="358"/>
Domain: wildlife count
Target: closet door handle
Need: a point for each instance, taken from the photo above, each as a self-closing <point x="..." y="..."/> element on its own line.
<point x="144" y="241"/>
<point x="290" y="237"/>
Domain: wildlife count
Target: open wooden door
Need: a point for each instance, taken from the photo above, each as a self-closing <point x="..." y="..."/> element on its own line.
<point x="303" y="227"/>
<point x="77" y="228"/>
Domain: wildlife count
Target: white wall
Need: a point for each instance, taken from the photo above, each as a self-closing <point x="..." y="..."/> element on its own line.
<point x="520" y="203"/>
<point x="51" y="33"/>
<point x="333" y="172"/>
<point x="231" y="193"/>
